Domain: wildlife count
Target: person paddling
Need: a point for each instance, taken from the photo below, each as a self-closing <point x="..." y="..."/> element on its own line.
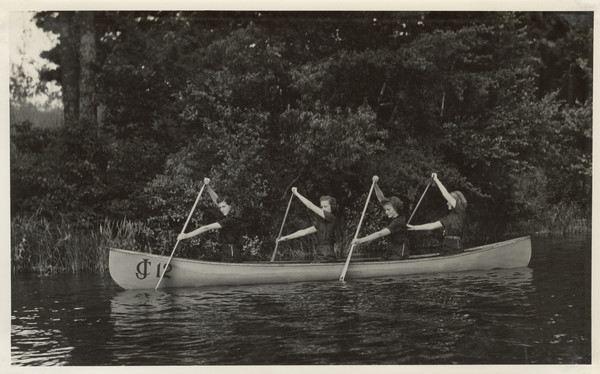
<point x="398" y="243"/>
<point x="230" y="228"/>
<point x="452" y="223"/>
<point x="324" y="227"/>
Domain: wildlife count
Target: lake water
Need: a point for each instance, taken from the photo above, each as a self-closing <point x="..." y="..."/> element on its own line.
<point x="535" y="315"/>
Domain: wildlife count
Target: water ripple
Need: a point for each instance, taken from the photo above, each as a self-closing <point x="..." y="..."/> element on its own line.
<point x="511" y="316"/>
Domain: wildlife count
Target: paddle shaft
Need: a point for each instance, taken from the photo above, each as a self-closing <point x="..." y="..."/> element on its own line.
<point x="182" y="231"/>
<point x="343" y="275"/>
<point x="281" y="229"/>
<point x="422" y="196"/>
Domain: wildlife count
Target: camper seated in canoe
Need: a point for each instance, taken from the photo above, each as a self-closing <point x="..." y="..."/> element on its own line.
<point x="230" y="227"/>
<point x="452" y="223"/>
<point x="324" y="227"/>
<point x="396" y="230"/>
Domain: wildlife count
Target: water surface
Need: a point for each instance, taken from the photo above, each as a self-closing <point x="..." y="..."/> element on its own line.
<point x="535" y="315"/>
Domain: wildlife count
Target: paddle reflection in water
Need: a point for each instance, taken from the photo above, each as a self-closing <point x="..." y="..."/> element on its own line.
<point x="475" y="317"/>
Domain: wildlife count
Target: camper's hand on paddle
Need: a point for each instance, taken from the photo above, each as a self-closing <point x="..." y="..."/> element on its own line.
<point x="375" y="179"/>
<point x="282" y="239"/>
<point x="182" y="236"/>
<point x="434" y="176"/>
<point x="357" y="241"/>
<point x="206" y="181"/>
<point x="410" y="227"/>
<point x="295" y="191"/>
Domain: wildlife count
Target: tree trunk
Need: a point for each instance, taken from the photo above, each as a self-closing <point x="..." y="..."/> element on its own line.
<point x="69" y="70"/>
<point x="87" y="80"/>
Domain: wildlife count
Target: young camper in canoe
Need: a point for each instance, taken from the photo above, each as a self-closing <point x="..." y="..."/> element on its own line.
<point x="230" y="228"/>
<point x="452" y="223"/>
<point x="398" y="242"/>
<point x="324" y="227"/>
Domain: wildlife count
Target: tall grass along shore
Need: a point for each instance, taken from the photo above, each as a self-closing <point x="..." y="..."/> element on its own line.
<point x="39" y="245"/>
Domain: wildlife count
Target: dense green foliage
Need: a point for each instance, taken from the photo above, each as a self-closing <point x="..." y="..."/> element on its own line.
<point x="498" y="104"/>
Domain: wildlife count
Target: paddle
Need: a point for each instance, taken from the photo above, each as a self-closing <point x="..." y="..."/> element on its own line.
<point x="182" y="231"/>
<point x="422" y="196"/>
<point x="281" y="229"/>
<point x="414" y="211"/>
<point x="357" y="230"/>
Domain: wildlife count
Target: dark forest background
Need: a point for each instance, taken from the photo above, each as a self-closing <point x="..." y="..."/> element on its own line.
<point x="499" y="104"/>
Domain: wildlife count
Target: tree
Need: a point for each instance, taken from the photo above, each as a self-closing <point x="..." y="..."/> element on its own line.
<point x="87" y="62"/>
<point x="75" y="55"/>
<point x="263" y="101"/>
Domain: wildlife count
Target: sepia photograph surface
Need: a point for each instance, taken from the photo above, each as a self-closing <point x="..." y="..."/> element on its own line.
<point x="238" y="188"/>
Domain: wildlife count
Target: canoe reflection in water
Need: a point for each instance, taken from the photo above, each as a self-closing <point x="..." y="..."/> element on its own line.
<point x="324" y="322"/>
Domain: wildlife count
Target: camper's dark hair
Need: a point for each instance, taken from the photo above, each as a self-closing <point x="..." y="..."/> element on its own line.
<point x="395" y="202"/>
<point x="459" y="196"/>
<point x="331" y="200"/>
<point x="234" y="212"/>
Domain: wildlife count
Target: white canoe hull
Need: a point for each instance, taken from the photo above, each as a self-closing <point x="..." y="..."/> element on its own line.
<point x="136" y="270"/>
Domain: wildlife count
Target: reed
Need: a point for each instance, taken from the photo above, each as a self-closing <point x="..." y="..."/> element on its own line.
<point x="46" y="247"/>
<point x="125" y="234"/>
<point x="565" y="218"/>
<point x="298" y="249"/>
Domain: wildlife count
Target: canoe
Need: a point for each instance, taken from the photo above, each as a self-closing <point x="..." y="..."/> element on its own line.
<point x="136" y="270"/>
